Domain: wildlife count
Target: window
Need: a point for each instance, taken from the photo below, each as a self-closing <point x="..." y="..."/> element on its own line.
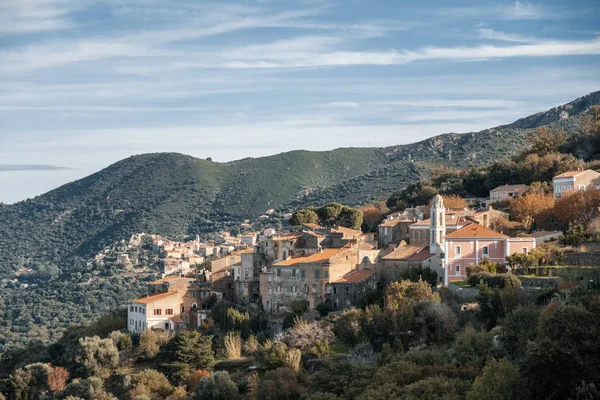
<point x="194" y="305"/>
<point x="458" y="270"/>
<point x="326" y="274"/>
<point x="278" y="272"/>
<point x="131" y="322"/>
<point x="457" y="251"/>
<point x="347" y="288"/>
<point x="169" y="311"/>
<point x="317" y="274"/>
<point x="485" y="251"/>
<point x="270" y="290"/>
<point x="302" y="274"/>
<point x="157" y="311"/>
<point x="525" y="249"/>
<point x="144" y="311"/>
<point x="294" y="289"/>
<point x="136" y="309"/>
<point x="131" y="308"/>
<point x="294" y="273"/>
<point x="278" y="288"/>
<point x="182" y="308"/>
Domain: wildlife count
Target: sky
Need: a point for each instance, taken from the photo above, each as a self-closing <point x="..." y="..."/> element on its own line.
<point x="85" y="83"/>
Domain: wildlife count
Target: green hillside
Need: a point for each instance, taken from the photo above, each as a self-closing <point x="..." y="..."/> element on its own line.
<point x="177" y="195"/>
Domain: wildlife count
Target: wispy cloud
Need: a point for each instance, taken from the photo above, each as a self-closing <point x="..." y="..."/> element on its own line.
<point x="396" y="57"/>
<point x="505" y="37"/>
<point x="22" y="16"/>
<point x="341" y="104"/>
<point x="514" y="11"/>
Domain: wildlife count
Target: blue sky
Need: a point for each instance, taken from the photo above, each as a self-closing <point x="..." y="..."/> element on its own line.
<point x="84" y="83"/>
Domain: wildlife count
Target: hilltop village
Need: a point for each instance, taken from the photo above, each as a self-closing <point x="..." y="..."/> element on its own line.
<point x="331" y="268"/>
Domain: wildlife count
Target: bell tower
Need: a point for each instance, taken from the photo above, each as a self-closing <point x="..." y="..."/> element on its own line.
<point x="437" y="226"/>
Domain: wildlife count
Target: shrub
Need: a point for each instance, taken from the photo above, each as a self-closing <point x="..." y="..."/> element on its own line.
<point x="499" y="380"/>
<point x="96" y="357"/>
<point x="218" y="386"/>
<point x="281" y="384"/>
<point x="121" y="340"/>
<point x="193" y="380"/>
<point x="187" y="351"/>
<point x="151" y="341"/>
<point x="250" y="345"/>
<point x="150" y="383"/>
<point x="233" y="345"/>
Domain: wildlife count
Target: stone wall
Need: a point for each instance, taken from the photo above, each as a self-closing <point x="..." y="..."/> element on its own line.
<point x="582" y="259"/>
<point x="463" y="295"/>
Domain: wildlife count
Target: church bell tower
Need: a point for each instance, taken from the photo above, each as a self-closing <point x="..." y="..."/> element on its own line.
<point x="437" y="226"/>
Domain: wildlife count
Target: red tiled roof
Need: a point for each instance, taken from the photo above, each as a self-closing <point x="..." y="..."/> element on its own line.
<point x="324" y="255"/>
<point x="391" y="222"/>
<point x="170" y="279"/>
<point x="570" y="174"/>
<point x="356" y="276"/>
<point x="475" y="231"/>
<point x="154" y="297"/>
<point x="403" y="252"/>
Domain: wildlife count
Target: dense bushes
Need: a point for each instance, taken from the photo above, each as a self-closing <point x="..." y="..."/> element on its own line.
<point x="494" y="281"/>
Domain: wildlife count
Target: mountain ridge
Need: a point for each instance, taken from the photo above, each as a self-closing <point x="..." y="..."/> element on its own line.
<point x="178" y="195"/>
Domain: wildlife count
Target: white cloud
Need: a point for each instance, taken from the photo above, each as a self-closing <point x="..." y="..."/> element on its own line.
<point x="341" y="104"/>
<point x="396" y="57"/>
<point x="505" y="37"/>
<point x="515" y="11"/>
<point x="22" y="16"/>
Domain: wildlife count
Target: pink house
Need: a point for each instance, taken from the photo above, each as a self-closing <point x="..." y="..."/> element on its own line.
<point x="471" y="244"/>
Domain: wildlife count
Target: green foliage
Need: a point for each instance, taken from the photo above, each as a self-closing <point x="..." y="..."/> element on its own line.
<point x="150" y="383"/>
<point x="415" y="274"/>
<point x="121" y="340"/>
<point x="151" y="341"/>
<point x="472" y="347"/>
<point x="332" y="214"/>
<point x="565" y="353"/>
<point x="499" y="380"/>
<point x="519" y="328"/>
<point x="218" y="386"/>
<point x="96" y="357"/>
<point x="402" y="296"/>
<point x="86" y="389"/>
<point x="185" y="353"/>
<point x="575" y="237"/>
<point x="323" y="309"/>
<point x="495" y="303"/>
<point x="281" y="384"/>
<point x="231" y="319"/>
<point x="273" y="356"/>
<point x="305" y="216"/>
<point x="484" y="265"/>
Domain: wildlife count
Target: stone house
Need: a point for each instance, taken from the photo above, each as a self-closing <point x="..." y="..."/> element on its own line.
<point x="393" y="231"/>
<point x="346" y="292"/>
<point x="507" y="192"/>
<point x="575" y="180"/>
<point x="305" y="277"/>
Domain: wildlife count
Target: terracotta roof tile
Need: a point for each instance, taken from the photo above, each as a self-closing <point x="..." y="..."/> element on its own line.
<point x="170" y="279"/>
<point x="403" y="252"/>
<point x="569" y="174"/>
<point x="475" y="231"/>
<point x="356" y="276"/>
<point x="154" y="297"/>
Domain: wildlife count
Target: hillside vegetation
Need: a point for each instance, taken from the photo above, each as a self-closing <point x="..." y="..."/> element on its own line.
<point x="177" y="195"/>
